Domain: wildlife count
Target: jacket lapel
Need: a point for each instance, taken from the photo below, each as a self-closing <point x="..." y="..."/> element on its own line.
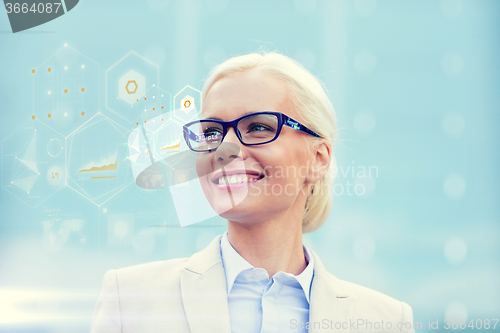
<point x="330" y="307"/>
<point x="204" y="293"/>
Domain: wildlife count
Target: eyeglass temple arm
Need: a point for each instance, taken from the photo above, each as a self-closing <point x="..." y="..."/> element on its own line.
<point x="298" y="126"/>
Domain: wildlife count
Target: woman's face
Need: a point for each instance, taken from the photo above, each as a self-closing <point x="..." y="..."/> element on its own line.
<point x="277" y="170"/>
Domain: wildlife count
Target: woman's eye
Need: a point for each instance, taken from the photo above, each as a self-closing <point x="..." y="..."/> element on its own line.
<point x="210" y="135"/>
<point x="212" y="131"/>
<point x="255" y="127"/>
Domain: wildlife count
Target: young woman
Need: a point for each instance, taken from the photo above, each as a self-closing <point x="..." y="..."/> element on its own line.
<point x="270" y="123"/>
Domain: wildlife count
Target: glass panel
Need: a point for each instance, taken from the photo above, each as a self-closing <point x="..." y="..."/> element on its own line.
<point x="258" y="128"/>
<point x="205" y="135"/>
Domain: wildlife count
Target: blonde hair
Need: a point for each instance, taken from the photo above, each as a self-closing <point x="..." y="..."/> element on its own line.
<point x="310" y="101"/>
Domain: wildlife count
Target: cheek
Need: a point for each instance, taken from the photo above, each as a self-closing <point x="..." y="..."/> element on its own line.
<point x="284" y="168"/>
<point x="204" y="164"/>
<point x="291" y="157"/>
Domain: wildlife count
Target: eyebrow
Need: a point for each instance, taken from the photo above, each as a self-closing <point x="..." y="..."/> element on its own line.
<point x="248" y="112"/>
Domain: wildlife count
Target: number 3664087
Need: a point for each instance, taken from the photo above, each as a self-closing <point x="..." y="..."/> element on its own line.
<point x="473" y="324"/>
<point x="34" y="8"/>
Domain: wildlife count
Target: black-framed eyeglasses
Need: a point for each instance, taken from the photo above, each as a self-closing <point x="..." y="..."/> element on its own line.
<point x="251" y="129"/>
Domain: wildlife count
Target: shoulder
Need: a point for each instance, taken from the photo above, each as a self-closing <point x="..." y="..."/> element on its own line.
<point x="367" y="296"/>
<point x="365" y="303"/>
<point x="366" y="307"/>
<point x="138" y="297"/>
<point x="364" y="297"/>
<point x="373" y="306"/>
<point x="150" y="274"/>
<point x="166" y="273"/>
<point x="146" y="286"/>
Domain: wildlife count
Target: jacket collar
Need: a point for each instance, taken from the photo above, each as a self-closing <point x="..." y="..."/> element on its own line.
<point x="204" y="294"/>
<point x="234" y="264"/>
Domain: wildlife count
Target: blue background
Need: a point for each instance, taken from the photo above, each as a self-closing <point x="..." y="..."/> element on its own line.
<point x="415" y="85"/>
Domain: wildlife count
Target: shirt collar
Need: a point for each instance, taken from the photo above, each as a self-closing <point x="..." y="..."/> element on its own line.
<point x="234" y="264"/>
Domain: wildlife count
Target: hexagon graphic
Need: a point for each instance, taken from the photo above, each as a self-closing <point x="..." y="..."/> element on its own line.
<point x="120" y="94"/>
<point x="153" y="103"/>
<point x="186" y="104"/>
<point x="131" y="87"/>
<point x="96" y="162"/>
<point x="66" y="90"/>
<point x="120" y="229"/>
<point x="32" y="166"/>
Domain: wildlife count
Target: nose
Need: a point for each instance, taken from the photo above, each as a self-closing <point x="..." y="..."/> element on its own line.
<point x="228" y="149"/>
<point x="225" y="154"/>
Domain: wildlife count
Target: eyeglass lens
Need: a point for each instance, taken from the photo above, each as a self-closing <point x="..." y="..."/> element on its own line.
<point x="253" y="130"/>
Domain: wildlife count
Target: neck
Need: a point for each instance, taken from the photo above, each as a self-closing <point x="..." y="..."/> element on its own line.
<point x="275" y="245"/>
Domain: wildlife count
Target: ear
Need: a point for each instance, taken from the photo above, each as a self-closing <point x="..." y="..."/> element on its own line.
<point x="321" y="159"/>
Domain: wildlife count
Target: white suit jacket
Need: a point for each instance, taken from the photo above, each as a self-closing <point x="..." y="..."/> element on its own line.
<point x="189" y="295"/>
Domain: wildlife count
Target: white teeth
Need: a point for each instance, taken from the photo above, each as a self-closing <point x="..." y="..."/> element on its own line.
<point x="236" y="180"/>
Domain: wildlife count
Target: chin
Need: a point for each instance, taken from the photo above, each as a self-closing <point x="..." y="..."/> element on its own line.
<point x="242" y="211"/>
<point x="224" y="200"/>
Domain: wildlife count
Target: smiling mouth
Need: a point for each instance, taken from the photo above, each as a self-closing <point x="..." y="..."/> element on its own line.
<point x="237" y="179"/>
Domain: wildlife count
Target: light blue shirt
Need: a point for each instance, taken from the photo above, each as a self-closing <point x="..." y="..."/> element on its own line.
<point x="259" y="304"/>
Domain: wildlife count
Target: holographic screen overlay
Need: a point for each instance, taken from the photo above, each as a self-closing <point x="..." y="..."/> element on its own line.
<point x="191" y="182"/>
<point x="189" y="176"/>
